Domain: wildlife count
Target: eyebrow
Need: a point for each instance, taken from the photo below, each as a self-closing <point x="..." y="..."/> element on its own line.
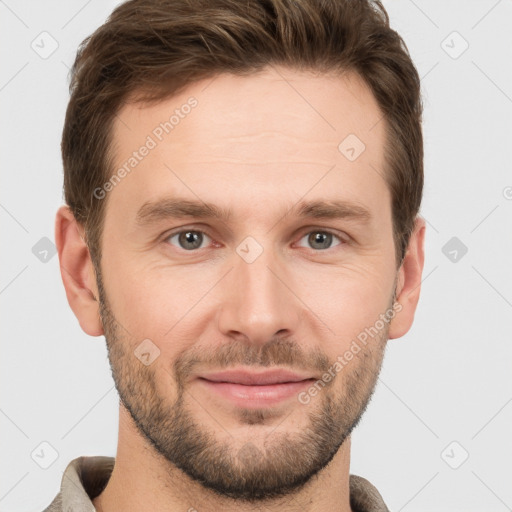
<point x="169" y="208"/>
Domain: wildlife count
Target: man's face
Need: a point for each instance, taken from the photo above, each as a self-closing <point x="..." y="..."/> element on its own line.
<point x="229" y="302"/>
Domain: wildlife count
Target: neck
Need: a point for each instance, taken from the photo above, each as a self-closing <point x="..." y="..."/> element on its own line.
<point x="142" y="480"/>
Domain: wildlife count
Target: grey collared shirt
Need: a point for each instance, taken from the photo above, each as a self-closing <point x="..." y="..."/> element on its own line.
<point x="85" y="478"/>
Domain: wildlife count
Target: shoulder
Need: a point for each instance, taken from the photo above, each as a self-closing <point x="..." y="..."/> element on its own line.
<point x="364" y="496"/>
<point x="55" y="505"/>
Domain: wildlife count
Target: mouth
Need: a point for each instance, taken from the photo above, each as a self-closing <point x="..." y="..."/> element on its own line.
<point x="251" y="389"/>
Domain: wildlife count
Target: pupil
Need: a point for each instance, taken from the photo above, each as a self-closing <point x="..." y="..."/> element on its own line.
<point x="190" y="237"/>
<point x="320" y="240"/>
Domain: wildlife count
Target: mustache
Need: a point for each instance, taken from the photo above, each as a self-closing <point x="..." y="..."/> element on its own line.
<point x="277" y="352"/>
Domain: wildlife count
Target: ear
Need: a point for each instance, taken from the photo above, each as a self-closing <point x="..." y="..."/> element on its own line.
<point x="409" y="281"/>
<point x="77" y="272"/>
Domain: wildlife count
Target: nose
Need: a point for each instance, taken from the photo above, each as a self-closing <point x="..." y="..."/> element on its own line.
<point x="258" y="301"/>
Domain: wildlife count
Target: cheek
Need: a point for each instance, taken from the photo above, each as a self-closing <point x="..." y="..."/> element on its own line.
<point x="348" y="299"/>
<point x="156" y="301"/>
<point x="140" y="305"/>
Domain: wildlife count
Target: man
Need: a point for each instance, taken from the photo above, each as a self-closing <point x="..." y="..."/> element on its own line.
<point x="243" y="182"/>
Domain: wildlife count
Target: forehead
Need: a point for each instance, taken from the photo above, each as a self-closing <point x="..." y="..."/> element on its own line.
<point x="228" y="139"/>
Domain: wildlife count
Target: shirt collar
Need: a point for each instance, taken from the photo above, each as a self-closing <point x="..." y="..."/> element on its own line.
<point x="85" y="478"/>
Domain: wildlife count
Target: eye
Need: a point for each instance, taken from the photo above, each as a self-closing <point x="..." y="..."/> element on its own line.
<point x="189" y="239"/>
<point x="321" y="240"/>
<point x="193" y="239"/>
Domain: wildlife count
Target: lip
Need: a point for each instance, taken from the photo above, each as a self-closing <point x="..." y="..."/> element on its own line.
<point x="249" y="389"/>
<point x="252" y="378"/>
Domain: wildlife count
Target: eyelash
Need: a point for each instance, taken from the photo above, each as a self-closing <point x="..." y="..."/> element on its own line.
<point x="315" y="230"/>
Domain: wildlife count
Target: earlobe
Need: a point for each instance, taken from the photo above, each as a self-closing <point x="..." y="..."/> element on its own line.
<point x="77" y="272"/>
<point x="409" y="282"/>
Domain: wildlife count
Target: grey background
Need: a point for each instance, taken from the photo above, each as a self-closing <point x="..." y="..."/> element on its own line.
<point x="448" y="380"/>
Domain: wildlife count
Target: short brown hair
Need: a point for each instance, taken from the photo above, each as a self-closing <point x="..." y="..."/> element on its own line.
<point x="154" y="49"/>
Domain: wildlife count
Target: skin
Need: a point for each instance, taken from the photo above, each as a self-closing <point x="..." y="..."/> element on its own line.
<point x="257" y="145"/>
